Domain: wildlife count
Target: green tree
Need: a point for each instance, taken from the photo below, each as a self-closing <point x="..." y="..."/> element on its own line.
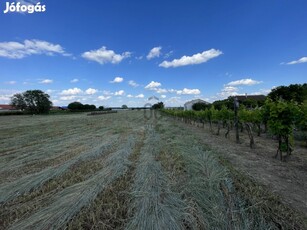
<point x="75" y="106"/>
<point x="101" y="107"/>
<point x="33" y="101"/>
<point x="200" y="106"/>
<point x="158" y="105"/>
<point x="294" y="92"/>
<point x="124" y="107"/>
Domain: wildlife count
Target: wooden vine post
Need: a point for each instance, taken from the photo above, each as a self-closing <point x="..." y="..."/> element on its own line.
<point x="236" y="107"/>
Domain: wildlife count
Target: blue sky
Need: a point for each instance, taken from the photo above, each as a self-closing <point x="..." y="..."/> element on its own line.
<point x="122" y="52"/>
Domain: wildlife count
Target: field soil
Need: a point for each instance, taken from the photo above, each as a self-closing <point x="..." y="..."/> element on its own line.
<point x="128" y="171"/>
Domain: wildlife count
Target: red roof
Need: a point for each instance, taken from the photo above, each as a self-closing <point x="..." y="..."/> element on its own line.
<point x="7" y="107"/>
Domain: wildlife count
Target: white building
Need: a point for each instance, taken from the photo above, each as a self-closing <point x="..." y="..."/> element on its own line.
<point x="188" y="105"/>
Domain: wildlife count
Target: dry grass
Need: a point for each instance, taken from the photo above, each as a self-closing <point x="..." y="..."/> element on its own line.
<point x="68" y="202"/>
<point x="110" y="209"/>
<point x="154" y="205"/>
<point x="119" y="171"/>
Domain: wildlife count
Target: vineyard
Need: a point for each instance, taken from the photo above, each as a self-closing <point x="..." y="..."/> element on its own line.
<point x="125" y="171"/>
<point x="278" y="119"/>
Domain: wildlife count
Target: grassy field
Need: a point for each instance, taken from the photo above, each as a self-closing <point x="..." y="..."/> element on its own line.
<point x="120" y="171"/>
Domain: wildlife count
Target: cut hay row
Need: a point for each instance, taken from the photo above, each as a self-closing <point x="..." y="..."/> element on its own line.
<point x="68" y="202"/>
<point x="29" y="149"/>
<point x="207" y="184"/>
<point x="154" y="205"/>
<point x="101" y="112"/>
<point x="110" y="209"/>
<point x="9" y="191"/>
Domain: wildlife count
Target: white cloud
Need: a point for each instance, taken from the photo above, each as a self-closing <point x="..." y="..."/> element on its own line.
<point x="129" y="96"/>
<point x="192" y="60"/>
<point x="103" y="56"/>
<point x="91" y="91"/>
<point x="74" y="80"/>
<point x="160" y="90"/>
<point x="154" y="52"/>
<point x="67" y="98"/>
<point x="228" y="91"/>
<point x="119" y="93"/>
<point x="46" y="81"/>
<point x="73" y="91"/>
<point x="186" y="91"/>
<point x="133" y="83"/>
<point x="246" y="81"/>
<point x="117" y="80"/>
<point x="104" y="98"/>
<point x="6" y="94"/>
<point x="140" y="96"/>
<point x="163" y="96"/>
<point x="108" y="93"/>
<point x="153" y="85"/>
<point x="301" y="60"/>
<point x="10" y="82"/>
<point x="174" y="101"/>
<point x="17" y="50"/>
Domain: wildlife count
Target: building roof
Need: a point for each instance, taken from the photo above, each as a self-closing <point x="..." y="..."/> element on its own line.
<point x="7" y="107"/>
<point x="251" y="97"/>
<point x="196" y="101"/>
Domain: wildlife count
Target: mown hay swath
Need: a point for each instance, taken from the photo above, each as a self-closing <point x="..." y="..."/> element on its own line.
<point x="9" y="191"/>
<point x="69" y="201"/>
<point x="208" y="187"/>
<point x="154" y="205"/>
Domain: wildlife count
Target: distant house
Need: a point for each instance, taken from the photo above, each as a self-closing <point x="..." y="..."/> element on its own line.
<point x="4" y="108"/>
<point x="188" y="105"/>
<point x="57" y="108"/>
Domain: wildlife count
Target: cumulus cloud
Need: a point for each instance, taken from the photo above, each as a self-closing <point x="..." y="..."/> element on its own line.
<point x="108" y="93"/>
<point x="175" y="101"/>
<point x="129" y="96"/>
<point x="46" y="81"/>
<point x="17" y="50"/>
<point x="160" y="90"/>
<point x="140" y="96"/>
<point x="73" y="91"/>
<point x="154" y="52"/>
<point x="67" y="98"/>
<point x="103" y="56"/>
<point x="163" y="96"/>
<point x="74" y="80"/>
<point x="246" y="81"/>
<point x="119" y="93"/>
<point x="186" y="91"/>
<point x="192" y="60"/>
<point x="91" y="91"/>
<point x="299" y="61"/>
<point x="117" y="80"/>
<point x="153" y="85"/>
<point x="228" y="91"/>
<point x="133" y="83"/>
<point x="104" y="98"/>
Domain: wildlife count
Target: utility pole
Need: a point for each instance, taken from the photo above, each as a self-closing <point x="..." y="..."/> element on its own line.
<point x="236" y="107"/>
